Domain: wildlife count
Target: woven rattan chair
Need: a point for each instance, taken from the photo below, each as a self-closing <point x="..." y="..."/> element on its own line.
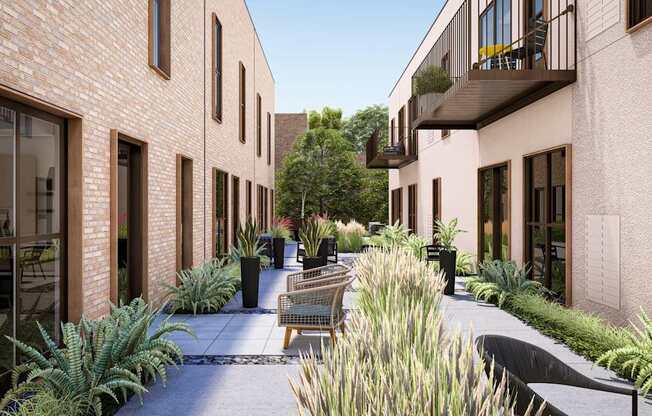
<point x="319" y="276"/>
<point x="317" y="308"/>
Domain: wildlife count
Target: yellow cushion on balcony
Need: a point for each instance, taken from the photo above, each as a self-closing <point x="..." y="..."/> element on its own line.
<point x="493" y="50"/>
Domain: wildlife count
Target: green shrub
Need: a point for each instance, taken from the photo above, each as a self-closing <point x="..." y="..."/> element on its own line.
<point x="99" y="359"/>
<point x="500" y="280"/>
<point x="464" y="263"/>
<point x="396" y="359"/>
<point x="204" y="289"/>
<point x="44" y="403"/>
<point x="415" y="244"/>
<point x="431" y="79"/>
<point x="635" y="356"/>
<point x="350" y="237"/>
<point x="447" y="232"/>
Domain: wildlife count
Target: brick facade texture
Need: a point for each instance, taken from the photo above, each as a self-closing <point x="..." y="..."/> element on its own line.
<point x="91" y="57"/>
<point x="289" y="126"/>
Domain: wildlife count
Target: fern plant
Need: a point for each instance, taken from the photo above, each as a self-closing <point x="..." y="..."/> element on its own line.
<point x="636" y="354"/>
<point x="499" y="280"/>
<point x="204" y="289"/>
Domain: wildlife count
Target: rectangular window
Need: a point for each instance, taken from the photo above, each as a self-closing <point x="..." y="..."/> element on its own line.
<point x="265" y="209"/>
<point x="639" y="12"/>
<point x="235" y="207"/>
<point x="401" y="124"/>
<point x="159" y="36"/>
<point x="271" y="203"/>
<point x="436" y="204"/>
<point x="494" y="213"/>
<point x="412" y="208"/>
<point x="546" y="205"/>
<point x="392" y="132"/>
<point x="259" y="125"/>
<point x="269" y="139"/>
<point x="248" y="199"/>
<point x="243" y="104"/>
<point x="217" y="69"/>
<point x="259" y="205"/>
<point x="184" y="213"/>
<point x="412" y="134"/>
<point x="496" y="30"/>
<point x="397" y="206"/>
<point x="220" y="212"/>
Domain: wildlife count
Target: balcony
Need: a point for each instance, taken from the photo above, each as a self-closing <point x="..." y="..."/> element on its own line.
<point x="468" y="83"/>
<point x="392" y="156"/>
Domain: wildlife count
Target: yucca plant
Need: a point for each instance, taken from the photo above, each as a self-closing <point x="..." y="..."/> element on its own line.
<point x="499" y="280"/>
<point x="204" y="289"/>
<point x="396" y="358"/>
<point x="248" y="240"/>
<point x="635" y="356"/>
<point x="311" y="235"/>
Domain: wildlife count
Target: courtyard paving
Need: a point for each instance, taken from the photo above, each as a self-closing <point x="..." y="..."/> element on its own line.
<point x="264" y="389"/>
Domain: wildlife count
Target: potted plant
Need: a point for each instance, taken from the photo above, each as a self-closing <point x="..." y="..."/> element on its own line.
<point x="280" y="231"/>
<point x="250" y="250"/>
<point x="430" y="84"/>
<point x="329" y="231"/>
<point x="311" y="236"/>
<point x="445" y="235"/>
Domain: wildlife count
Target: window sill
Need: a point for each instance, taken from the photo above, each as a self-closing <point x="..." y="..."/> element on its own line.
<point x="639" y="25"/>
<point x="160" y="72"/>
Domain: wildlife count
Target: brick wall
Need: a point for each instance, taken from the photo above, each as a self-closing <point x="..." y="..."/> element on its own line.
<point x="91" y="58"/>
<point x="289" y="126"/>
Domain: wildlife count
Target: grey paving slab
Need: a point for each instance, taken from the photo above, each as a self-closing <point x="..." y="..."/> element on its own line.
<point x="246" y="390"/>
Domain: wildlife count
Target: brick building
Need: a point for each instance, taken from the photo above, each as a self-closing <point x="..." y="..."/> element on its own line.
<point x="288" y="126"/>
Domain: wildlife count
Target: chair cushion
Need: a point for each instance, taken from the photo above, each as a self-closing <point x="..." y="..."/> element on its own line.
<point x="306" y="314"/>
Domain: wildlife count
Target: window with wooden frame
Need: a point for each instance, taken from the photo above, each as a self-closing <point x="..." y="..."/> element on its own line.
<point x="220" y="212"/>
<point x="436" y="205"/>
<point x="397" y="206"/>
<point x="412" y="208"/>
<point x="259" y="205"/>
<point x="269" y="139"/>
<point x="259" y="125"/>
<point x="265" y="208"/>
<point x="217" y="69"/>
<point x="401" y="124"/>
<point x="184" y="213"/>
<point x="248" y="196"/>
<point x="392" y="132"/>
<point x="639" y="13"/>
<point x="494" y="220"/>
<point x="235" y="207"/>
<point x="271" y="203"/>
<point x="242" y="107"/>
<point x="412" y="134"/>
<point x="159" y="37"/>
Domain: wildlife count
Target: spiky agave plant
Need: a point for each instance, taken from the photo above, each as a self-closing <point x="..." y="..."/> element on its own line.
<point x="396" y="358"/>
<point x="499" y="280"/>
<point x="311" y="235"/>
<point x="248" y="240"/>
<point x="204" y="289"/>
<point x="636" y="354"/>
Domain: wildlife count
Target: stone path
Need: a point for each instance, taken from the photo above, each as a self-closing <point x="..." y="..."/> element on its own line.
<point x="264" y="389"/>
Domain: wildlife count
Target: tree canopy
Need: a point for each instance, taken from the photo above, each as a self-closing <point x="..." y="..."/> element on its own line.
<point x="362" y="124"/>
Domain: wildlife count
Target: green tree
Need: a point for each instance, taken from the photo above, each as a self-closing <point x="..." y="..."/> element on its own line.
<point x="362" y="124"/>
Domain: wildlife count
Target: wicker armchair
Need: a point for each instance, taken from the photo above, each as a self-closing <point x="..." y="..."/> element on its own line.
<point x="316" y="308"/>
<point x="320" y="276"/>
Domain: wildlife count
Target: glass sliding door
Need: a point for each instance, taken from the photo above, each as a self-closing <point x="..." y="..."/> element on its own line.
<point x="493" y="208"/>
<point x="221" y="184"/>
<point x="545" y="219"/>
<point x="32" y="227"/>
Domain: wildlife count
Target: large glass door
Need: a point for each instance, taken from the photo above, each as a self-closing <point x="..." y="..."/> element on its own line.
<point x="545" y="219"/>
<point x="32" y="227"/>
<point x="493" y="208"/>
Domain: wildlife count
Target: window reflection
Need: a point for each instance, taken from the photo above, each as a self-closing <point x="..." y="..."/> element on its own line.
<point x="7" y="169"/>
<point x="6" y="310"/>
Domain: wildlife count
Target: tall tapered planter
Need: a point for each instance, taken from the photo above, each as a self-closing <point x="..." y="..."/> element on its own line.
<point x="447" y="263"/>
<point x="279" y="253"/>
<point x="323" y="251"/>
<point x="311" y="263"/>
<point x="250" y="274"/>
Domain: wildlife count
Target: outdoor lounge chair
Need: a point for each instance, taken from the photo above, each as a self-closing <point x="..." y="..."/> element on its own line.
<point x="317" y="277"/>
<point x="526" y="363"/>
<point x="317" y="308"/>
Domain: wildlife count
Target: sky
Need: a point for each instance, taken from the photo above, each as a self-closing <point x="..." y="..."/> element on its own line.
<point x="345" y="54"/>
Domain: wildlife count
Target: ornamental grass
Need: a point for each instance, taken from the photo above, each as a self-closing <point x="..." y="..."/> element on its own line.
<point x="396" y="358"/>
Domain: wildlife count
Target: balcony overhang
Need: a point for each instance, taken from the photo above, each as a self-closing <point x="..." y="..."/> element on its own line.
<point x="385" y="161"/>
<point x="481" y="97"/>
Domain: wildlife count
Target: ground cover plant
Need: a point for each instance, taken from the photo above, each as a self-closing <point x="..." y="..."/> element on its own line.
<point x="396" y="359"/>
<point x="498" y="281"/>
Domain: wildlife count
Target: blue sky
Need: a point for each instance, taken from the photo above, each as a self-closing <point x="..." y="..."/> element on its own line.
<point x="345" y="54"/>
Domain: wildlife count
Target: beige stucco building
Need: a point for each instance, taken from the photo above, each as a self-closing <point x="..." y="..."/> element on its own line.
<point x="134" y="137"/>
<point x="539" y="146"/>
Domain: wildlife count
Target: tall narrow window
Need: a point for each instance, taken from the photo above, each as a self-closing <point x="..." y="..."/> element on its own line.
<point x="259" y="125"/>
<point x="265" y="208"/>
<point x="221" y="212"/>
<point x="217" y="68"/>
<point x="392" y="132"/>
<point x="269" y="139"/>
<point x="436" y="205"/>
<point x="248" y="199"/>
<point x="243" y="104"/>
<point x="412" y="208"/>
<point x="493" y="210"/>
<point x="184" y="213"/>
<point x="546" y="202"/>
<point x="397" y="206"/>
<point x="412" y="134"/>
<point x="638" y="13"/>
<point x="235" y="207"/>
<point x="260" y="203"/>
<point x="401" y="124"/>
<point x="159" y="36"/>
<point x="271" y="203"/>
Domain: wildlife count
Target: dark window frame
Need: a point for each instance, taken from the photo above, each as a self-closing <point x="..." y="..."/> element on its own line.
<point x="413" y="208"/>
<point x="225" y="205"/>
<point x="242" y="107"/>
<point x="217" y="87"/>
<point x="235" y="207"/>
<point x="259" y="127"/>
<point x="269" y="139"/>
<point x="159" y="37"/>
<point x="494" y="171"/>
<point x="248" y="196"/>
<point x="637" y="19"/>
<point x="397" y="206"/>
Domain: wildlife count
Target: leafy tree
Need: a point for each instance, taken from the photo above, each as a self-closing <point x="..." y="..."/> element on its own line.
<point x="362" y="124"/>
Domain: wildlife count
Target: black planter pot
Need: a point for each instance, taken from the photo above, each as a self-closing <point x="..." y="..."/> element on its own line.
<point x="323" y="251"/>
<point x="249" y="274"/>
<point x="279" y="253"/>
<point x="311" y="263"/>
<point x="447" y="263"/>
